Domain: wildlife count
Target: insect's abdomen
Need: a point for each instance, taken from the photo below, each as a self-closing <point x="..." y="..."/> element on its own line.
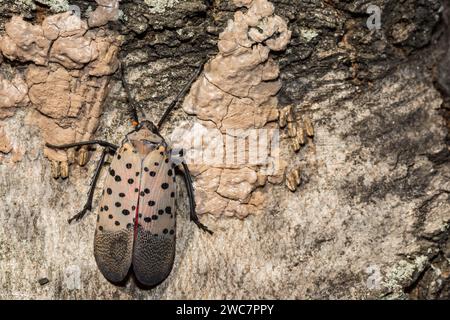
<point x="153" y="257"/>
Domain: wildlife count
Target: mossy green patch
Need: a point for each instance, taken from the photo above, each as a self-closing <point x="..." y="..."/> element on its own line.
<point x="54" y="5"/>
<point x="159" y="6"/>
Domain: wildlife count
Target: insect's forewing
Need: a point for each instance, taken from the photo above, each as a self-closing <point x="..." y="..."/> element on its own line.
<point x="113" y="246"/>
<point x="154" y="248"/>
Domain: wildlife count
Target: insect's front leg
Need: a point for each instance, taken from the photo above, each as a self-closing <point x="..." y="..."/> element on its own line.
<point x="184" y="170"/>
<point x="109" y="147"/>
<point x="88" y="206"/>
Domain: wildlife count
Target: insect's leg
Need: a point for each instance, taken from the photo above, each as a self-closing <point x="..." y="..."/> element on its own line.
<point x="190" y="191"/>
<point x="84" y="143"/>
<point x="88" y="206"/>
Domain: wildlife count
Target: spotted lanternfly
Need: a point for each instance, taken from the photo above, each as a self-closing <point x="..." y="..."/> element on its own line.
<point x="136" y="218"/>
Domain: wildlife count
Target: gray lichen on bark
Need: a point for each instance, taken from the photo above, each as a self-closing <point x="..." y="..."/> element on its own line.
<point x="372" y="217"/>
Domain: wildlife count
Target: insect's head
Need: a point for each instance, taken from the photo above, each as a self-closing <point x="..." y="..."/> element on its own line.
<point x="148" y="125"/>
<point x="145" y="133"/>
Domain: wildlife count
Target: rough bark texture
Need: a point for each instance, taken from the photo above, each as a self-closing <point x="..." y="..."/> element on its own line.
<point x="371" y="218"/>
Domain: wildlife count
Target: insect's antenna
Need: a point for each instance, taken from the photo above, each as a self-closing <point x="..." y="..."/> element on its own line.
<point x="181" y="94"/>
<point x="132" y="110"/>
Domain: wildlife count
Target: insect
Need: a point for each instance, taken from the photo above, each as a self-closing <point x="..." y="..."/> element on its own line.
<point x="136" y="219"/>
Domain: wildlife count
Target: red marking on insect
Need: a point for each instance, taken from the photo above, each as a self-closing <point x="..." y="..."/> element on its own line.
<point x="136" y="214"/>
